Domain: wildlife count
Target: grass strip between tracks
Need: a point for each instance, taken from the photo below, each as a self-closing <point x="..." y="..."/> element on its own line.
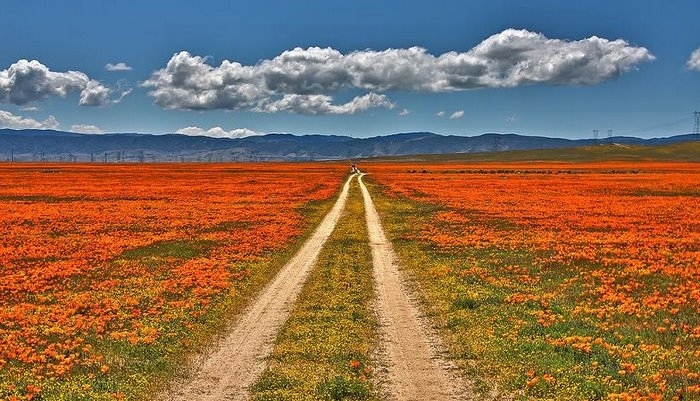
<point x="324" y="351"/>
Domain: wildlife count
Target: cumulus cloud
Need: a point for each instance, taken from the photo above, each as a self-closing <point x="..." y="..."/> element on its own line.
<point x="440" y="113"/>
<point x="94" y="94"/>
<point x="404" y="112"/>
<point x="693" y="62"/>
<point x="86" y="129"/>
<point x="311" y="76"/>
<point x="217" y="132"/>
<point x="29" y="108"/>
<point x="29" y="81"/>
<point x="117" y="67"/>
<point x="9" y="120"/>
<point x="457" y="114"/>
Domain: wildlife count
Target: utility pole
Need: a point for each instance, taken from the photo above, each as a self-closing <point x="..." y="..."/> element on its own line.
<point x="610" y="141"/>
<point x="696" y="128"/>
<point x="595" y="136"/>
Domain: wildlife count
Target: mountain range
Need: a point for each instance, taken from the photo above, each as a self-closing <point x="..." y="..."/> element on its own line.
<point x="49" y="145"/>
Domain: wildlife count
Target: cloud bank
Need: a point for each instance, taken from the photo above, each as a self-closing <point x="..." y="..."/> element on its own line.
<point x="217" y="132"/>
<point x="30" y="81"/>
<point x="9" y="120"/>
<point x="305" y="80"/>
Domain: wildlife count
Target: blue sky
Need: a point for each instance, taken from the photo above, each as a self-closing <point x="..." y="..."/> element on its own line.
<point x="531" y="67"/>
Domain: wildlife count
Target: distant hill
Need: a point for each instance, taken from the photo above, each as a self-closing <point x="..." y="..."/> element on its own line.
<point x="26" y="145"/>
<point x="676" y="152"/>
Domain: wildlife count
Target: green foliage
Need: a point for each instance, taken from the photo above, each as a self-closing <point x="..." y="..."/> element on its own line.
<point x="342" y="388"/>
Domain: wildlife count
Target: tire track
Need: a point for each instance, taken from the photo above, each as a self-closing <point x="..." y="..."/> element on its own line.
<point x="240" y="358"/>
<point x="414" y="368"/>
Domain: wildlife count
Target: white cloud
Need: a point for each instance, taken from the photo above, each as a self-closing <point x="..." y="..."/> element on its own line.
<point x="124" y="92"/>
<point x="29" y="81"/>
<point x="9" y="120"/>
<point x="117" y="67"/>
<point x="440" y="113"/>
<point x="86" y="129"/>
<point x="404" y="112"/>
<point x="94" y="94"/>
<point x="457" y="114"/>
<point x="321" y="104"/>
<point x="217" y="132"/>
<point x="29" y="108"/>
<point x="693" y="62"/>
<point x="311" y="76"/>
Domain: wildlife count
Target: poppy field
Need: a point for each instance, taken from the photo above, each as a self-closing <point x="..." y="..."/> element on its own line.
<point x="110" y="273"/>
<point x="545" y="280"/>
<point x="555" y="280"/>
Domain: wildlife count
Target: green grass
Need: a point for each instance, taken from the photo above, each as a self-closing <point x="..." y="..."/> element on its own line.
<point x="682" y="152"/>
<point x="324" y="350"/>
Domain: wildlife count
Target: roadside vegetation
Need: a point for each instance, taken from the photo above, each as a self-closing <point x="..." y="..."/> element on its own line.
<point x="111" y="276"/>
<point x="325" y="350"/>
<point x="555" y="282"/>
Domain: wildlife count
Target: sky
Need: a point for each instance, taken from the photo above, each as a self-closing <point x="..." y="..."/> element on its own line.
<point x="359" y="68"/>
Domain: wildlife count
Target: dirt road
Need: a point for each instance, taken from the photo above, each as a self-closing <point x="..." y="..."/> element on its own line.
<point x="415" y="369"/>
<point x="240" y="358"/>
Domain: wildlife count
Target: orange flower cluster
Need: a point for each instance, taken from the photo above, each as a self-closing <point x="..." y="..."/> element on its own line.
<point x="622" y="240"/>
<point x="123" y="252"/>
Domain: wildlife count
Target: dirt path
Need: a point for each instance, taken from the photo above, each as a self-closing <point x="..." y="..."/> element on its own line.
<point x="239" y="359"/>
<point x="415" y="369"/>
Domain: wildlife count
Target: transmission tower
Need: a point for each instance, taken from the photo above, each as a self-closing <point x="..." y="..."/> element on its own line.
<point x="696" y="128"/>
<point x="595" y="136"/>
<point x="609" y="136"/>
